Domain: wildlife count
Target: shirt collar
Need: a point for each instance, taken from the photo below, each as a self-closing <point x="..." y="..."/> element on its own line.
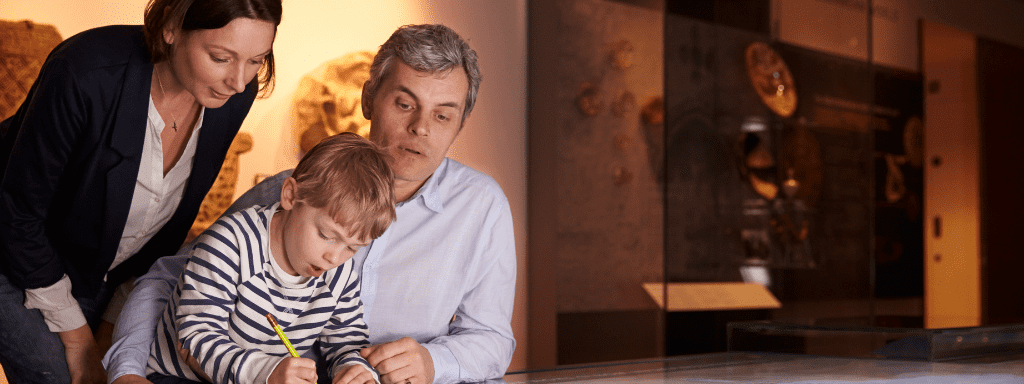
<point x="431" y="190"/>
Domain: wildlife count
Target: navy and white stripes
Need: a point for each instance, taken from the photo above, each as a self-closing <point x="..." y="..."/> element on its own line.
<point x="229" y="285"/>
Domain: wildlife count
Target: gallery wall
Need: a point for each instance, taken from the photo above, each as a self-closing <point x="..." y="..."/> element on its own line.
<point x="314" y="31"/>
<point x="840" y="26"/>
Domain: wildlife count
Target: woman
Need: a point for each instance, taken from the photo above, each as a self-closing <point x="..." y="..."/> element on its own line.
<point x="106" y="163"/>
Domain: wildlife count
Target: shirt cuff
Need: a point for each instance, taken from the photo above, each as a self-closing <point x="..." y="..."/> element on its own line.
<point x="446" y="366"/>
<point x="60" y="310"/>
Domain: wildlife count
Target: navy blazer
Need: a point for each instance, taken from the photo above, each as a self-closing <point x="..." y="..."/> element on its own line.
<point x="71" y="156"/>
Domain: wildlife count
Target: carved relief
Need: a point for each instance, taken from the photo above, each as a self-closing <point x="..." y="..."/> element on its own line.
<point x="327" y="101"/>
<point x="222" y="193"/>
<point x="24" y="46"/>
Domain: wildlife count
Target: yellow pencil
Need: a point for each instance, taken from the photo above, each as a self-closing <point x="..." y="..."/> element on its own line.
<point x="280" y="333"/>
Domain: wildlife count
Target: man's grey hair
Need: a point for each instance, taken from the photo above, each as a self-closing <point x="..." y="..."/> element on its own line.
<point x="428" y="48"/>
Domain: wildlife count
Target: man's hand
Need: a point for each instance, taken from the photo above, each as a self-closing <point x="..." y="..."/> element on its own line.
<point x="83" y="356"/>
<point x="354" y="374"/>
<point x="294" y="370"/>
<point x="403" y="361"/>
<point x="131" y="379"/>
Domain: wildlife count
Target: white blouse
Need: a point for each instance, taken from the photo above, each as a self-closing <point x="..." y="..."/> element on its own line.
<point x="155" y="199"/>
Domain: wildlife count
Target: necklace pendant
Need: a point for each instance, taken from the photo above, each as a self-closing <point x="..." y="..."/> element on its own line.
<point x="175" y="126"/>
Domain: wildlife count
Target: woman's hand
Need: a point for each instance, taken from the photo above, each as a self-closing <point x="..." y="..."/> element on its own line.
<point x="103" y="336"/>
<point x="83" y="356"/>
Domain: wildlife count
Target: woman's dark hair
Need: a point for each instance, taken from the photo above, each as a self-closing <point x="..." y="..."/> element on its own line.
<point x="191" y="15"/>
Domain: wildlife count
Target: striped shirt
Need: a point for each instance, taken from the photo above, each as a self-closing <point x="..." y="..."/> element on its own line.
<point x="230" y="283"/>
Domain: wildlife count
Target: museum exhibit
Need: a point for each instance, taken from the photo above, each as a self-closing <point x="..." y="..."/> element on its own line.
<point x="843" y="157"/>
<point x="770" y="191"/>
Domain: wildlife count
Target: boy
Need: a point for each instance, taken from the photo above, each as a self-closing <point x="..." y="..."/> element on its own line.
<point x="283" y="260"/>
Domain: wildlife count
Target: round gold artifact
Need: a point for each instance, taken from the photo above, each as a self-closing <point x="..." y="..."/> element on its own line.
<point x="771" y="79"/>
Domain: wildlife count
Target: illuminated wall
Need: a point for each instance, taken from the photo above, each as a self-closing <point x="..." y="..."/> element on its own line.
<point x="840" y="26"/>
<point x="314" y="31"/>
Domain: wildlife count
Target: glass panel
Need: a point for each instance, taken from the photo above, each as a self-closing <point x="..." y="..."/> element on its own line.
<point x="775" y="368"/>
<point x="793" y="161"/>
<point x="719" y="161"/>
<point x="976" y="344"/>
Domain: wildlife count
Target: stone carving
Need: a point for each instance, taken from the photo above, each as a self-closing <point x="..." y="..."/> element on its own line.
<point x="621" y="55"/>
<point x="624" y="103"/>
<point x="588" y="100"/>
<point x="327" y="101"/>
<point x="24" y="46"/>
<point x="653" y="111"/>
<point x="222" y="193"/>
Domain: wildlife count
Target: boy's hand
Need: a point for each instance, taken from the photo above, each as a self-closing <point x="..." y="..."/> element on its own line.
<point x="294" y="370"/>
<point x="354" y="374"/>
<point x="403" y="361"/>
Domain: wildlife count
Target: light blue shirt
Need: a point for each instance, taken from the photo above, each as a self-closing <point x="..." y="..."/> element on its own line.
<point x="450" y="252"/>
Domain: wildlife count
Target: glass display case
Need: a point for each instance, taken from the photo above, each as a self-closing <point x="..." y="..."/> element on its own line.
<point x="695" y="164"/>
<point x="964" y="345"/>
<point x="752" y="367"/>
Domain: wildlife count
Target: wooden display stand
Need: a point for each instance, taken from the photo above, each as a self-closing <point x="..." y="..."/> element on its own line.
<point x="697" y="314"/>
<point x="711" y="296"/>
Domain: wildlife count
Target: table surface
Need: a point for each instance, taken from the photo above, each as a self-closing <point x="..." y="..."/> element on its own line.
<point x="744" y="367"/>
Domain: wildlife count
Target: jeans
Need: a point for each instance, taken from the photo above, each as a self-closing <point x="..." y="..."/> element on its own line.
<point x="29" y="352"/>
<point x="157" y="378"/>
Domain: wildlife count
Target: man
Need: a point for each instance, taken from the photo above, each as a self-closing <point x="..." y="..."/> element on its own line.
<point x="438" y="285"/>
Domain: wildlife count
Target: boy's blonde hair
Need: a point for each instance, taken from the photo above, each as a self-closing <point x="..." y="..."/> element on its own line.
<point x="352" y="178"/>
